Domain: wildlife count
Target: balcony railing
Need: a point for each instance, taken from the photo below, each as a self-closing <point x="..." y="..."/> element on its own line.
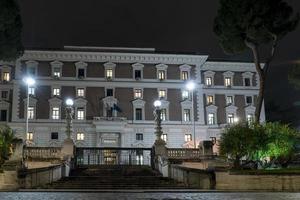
<point x="36" y="153"/>
<point x="116" y="119"/>
<point x="179" y="153"/>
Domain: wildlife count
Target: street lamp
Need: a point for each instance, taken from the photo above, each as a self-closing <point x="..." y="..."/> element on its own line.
<point x="69" y="117"/>
<point x="157" y="119"/>
<point x="29" y="81"/>
<point x="191" y="85"/>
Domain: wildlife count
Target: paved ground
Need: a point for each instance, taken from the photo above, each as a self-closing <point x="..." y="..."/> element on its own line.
<point x="146" y="196"/>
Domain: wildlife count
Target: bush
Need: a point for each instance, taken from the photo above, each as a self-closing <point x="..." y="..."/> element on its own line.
<point x="6" y="140"/>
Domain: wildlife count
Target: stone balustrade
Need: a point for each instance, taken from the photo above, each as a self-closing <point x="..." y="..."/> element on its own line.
<point x="179" y="153"/>
<point x="36" y="153"/>
<point x="117" y="119"/>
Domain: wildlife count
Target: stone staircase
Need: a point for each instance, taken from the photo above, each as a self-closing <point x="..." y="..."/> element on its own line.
<point x="115" y="178"/>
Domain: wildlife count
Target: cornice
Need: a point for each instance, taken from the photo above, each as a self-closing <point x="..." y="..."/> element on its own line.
<point x="113" y="57"/>
<point x="229" y="66"/>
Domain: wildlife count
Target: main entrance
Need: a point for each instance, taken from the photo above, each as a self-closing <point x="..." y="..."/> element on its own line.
<point x="86" y="156"/>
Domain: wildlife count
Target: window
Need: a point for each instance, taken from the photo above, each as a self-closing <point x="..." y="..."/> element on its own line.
<point x="109" y="92"/>
<point x="80" y="136"/>
<point x="185" y="94"/>
<point x="139" y="136"/>
<point x="249" y="100"/>
<point x="137" y="74"/>
<point x="138" y="114"/>
<point x="250" y="118"/>
<point x="56" y="72"/>
<point x="6" y="76"/>
<point x="81" y="73"/>
<point x="80" y="113"/>
<point x="229" y="100"/>
<point x="247" y="82"/>
<point x="230" y="118"/>
<point x="31" y="71"/>
<point x="55" y="113"/>
<point x="209" y="99"/>
<point x="228" y="81"/>
<point x="109" y="73"/>
<point x="188" y="137"/>
<point x="162" y="94"/>
<point x="186" y="115"/>
<point x="138" y="93"/>
<point x="164" y="137"/>
<point x="211" y="118"/>
<point x="4" y="94"/>
<point x="31" y="91"/>
<point x="184" y="75"/>
<point x="163" y="114"/>
<point x="3" y="115"/>
<point x="29" y="136"/>
<point x="54" y="136"/>
<point x="80" y="92"/>
<point x="208" y="81"/>
<point x="30" y="112"/>
<point x="56" y="91"/>
<point x="161" y="74"/>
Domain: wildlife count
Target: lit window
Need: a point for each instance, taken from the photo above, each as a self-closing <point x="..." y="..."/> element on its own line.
<point x="188" y="137"/>
<point x="137" y="93"/>
<point x="80" y="114"/>
<point x="80" y="72"/>
<point x="249" y="100"/>
<point x="80" y="136"/>
<point x="56" y="72"/>
<point x="137" y="74"/>
<point x="6" y="76"/>
<point x="187" y="115"/>
<point x="29" y="136"/>
<point x="54" y="136"/>
<point x="164" y="137"/>
<point x="230" y="118"/>
<point x="30" y="112"/>
<point x="139" y="136"/>
<point x="247" y="82"/>
<point x="55" y="113"/>
<point x="163" y="114"/>
<point x="80" y="92"/>
<point x="185" y="94"/>
<point x="56" y="91"/>
<point x="211" y="118"/>
<point x="138" y="114"/>
<point x="31" y="91"/>
<point x="250" y="118"/>
<point x="208" y="81"/>
<point x="162" y="94"/>
<point x="210" y="99"/>
<point x="184" y="75"/>
<point x="229" y="100"/>
<point x="228" y="81"/>
<point x="109" y="73"/>
<point x="161" y="74"/>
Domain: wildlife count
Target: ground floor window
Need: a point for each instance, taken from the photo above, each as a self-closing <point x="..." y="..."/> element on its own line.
<point x="188" y="137"/>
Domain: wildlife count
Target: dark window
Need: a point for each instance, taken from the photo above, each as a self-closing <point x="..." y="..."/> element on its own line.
<point x="137" y="74"/>
<point x="109" y="92"/>
<point x="247" y="82"/>
<point x="3" y="115"/>
<point x="4" y="94"/>
<point x="54" y="136"/>
<point x="138" y="114"/>
<point x="31" y="71"/>
<point x="139" y="136"/>
<point x="80" y="73"/>
<point x="249" y="100"/>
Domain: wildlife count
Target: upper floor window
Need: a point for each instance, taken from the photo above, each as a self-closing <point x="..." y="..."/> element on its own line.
<point x="139" y="136"/>
<point x="187" y="115"/>
<point x="80" y="113"/>
<point x="229" y="100"/>
<point x="4" y="94"/>
<point x="31" y="71"/>
<point x="188" y="137"/>
<point x="31" y="91"/>
<point x="80" y="92"/>
<point x="161" y="74"/>
<point x="137" y="74"/>
<point x="247" y="82"/>
<point x="228" y="81"/>
<point x="81" y="69"/>
<point x="80" y="73"/>
<point x="109" y="92"/>
<point x="29" y="136"/>
<point x="54" y="136"/>
<point x="211" y="119"/>
<point x="184" y="75"/>
<point x="247" y="76"/>
<point x="209" y="99"/>
<point x="80" y="136"/>
<point x="249" y="100"/>
<point x="185" y="94"/>
<point x="3" y="115"/>
<point x="137" y="71"/>
<point x="55" y="113"/>
<point x="250" y="118"/>
<point x="138" y="114"/>
<point x="30" y="112"/>
<point x="162" y="94"/>
<point x="57" y="72"/>
<point x="164" y="137"/>
<point x="137" y="93"/>
<point x="56" y="68"/>
<point x="56" y="91"/>
<point x="6" y="76"/>
<point x="208" y="81"/>
<point x="109" y="73"/>
<point x="230" y="118"/>
<point x="163" y="114"/>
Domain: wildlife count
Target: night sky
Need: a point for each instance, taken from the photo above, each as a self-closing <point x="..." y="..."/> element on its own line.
<point x="167" y="25"/>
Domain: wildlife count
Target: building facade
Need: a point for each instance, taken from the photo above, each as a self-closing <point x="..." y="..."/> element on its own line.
<point x="114" y="91"/>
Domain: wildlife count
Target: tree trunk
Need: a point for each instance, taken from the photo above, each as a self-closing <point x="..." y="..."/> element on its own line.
<point x="237" y="162"/>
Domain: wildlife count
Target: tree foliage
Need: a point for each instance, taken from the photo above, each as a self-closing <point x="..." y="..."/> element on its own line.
<point x="6" y="140"/>
<point x="251" y="25"/>
<point x="10" y="30"/>
<point x="262" y="144"/>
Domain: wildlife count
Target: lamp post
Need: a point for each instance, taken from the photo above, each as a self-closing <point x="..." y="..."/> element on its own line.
<point x="191" y="87"/>
<point x="157" y="118"/>
<point x="29" y="81"/>
<point x="69" y="117"/>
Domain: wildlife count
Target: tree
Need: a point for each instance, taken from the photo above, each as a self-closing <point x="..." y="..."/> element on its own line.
<point x="6" y="140"/>
<point x="294" y="75"/>
<point x="254" y="25"/>
<point x="10" y="30"/>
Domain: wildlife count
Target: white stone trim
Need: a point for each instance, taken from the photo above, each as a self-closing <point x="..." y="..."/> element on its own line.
<point x="165" y="89"/>
<point x="31" y="64"/>
<point x="162" y="67"/>
<point x="109" y="101"/>
<point x="81" y="65"/>
<point x="55" y="87"/>
<point x="137" y="66"/>
<point x="247" y="75"/>
<point x="4" y="105"/>
<point x="231" y="110"/>
<point x="80" y="103"/>
<point x="186" y="68"/>
<point x="55" y="102"/>
<point x="213" y="110"/>
<point x="214" y="99"/>
<point x="138" y="103"/>
<point x="56" y="64"/>
<point x="76" y="91"/>
<point x="32" y="103"/>
<point x="186" y="104"/>
<point x="112" y="66"/>
<point x="142" y="91"/>
<point x="231" y="66"/>
<point x="209" y="74"/>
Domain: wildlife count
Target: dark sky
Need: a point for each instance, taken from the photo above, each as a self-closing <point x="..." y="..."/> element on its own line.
<point x="167" y="25"/>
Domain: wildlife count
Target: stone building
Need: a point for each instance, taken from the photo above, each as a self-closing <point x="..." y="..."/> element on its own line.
<point x="114" y="90"/>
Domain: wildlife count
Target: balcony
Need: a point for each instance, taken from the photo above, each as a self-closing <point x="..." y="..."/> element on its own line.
<point x="112" y="119"/>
